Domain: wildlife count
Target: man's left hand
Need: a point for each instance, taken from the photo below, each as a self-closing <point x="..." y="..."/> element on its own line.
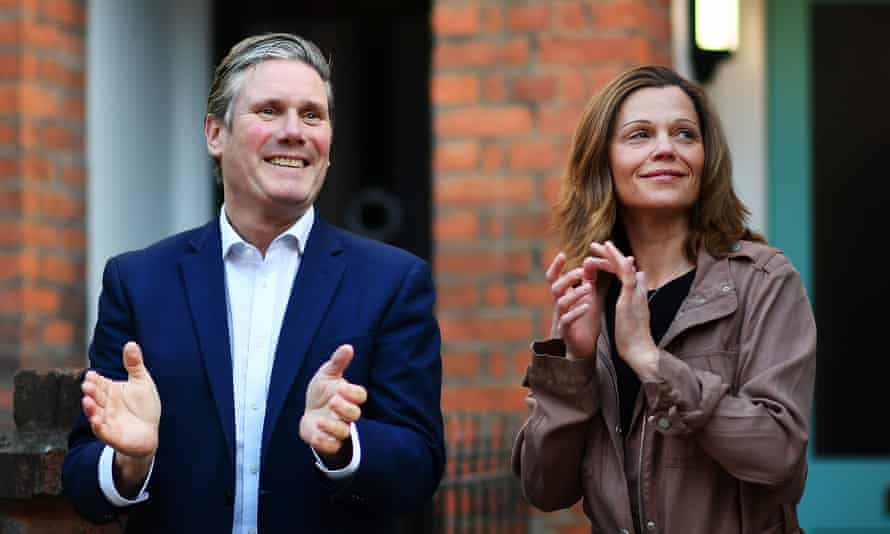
<point x="332" y="404"/>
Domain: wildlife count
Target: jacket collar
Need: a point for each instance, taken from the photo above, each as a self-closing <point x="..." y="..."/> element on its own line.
<point x="712" y="295"/>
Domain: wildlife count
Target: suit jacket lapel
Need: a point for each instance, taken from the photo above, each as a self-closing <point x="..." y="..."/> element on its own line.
<point x="314" y="287"/>
<point x="204" y="276"/>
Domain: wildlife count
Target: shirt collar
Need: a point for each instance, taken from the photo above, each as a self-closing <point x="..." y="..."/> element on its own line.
<point x="299" y="231"/>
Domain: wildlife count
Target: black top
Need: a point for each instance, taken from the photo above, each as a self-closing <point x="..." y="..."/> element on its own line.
<point x="663" y="305"/>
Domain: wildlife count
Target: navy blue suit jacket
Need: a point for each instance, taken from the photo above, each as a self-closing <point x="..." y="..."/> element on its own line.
<point x="171" y="299"/>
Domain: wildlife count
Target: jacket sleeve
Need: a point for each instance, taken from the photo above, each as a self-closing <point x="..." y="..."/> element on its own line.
<point x="549" y="449"/>
<point x="757" y="430"/>
<point x="80" y="471"/>
<point x="401" y="429"/>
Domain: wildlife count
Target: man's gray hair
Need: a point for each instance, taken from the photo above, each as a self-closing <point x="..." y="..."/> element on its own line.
<point x="229" y="75"/>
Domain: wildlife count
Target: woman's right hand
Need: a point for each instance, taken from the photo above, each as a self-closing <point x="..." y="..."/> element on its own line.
<point x="577" y="308"/>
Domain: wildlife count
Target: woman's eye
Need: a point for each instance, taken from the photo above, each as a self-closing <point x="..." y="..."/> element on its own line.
<point x="639" y="134"/>
<point x="687" y="134"/>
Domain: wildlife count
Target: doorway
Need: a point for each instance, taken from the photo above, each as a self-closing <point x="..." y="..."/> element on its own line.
<point x="827" y="123"/>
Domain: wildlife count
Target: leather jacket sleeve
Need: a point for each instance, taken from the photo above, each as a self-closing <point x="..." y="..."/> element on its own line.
<point x="550" y="446"/>
<point x="756" y="427"/>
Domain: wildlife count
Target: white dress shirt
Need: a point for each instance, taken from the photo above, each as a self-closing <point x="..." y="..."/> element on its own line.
<point x="258" y="289"/>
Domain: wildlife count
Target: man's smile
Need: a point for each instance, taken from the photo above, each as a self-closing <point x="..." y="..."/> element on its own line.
<point x="297" y="163"/>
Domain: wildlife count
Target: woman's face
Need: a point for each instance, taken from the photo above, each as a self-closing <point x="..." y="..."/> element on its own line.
<point x="656" y="153"/>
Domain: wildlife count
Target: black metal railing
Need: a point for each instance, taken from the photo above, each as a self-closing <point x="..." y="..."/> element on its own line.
<point x="480" y="494"/>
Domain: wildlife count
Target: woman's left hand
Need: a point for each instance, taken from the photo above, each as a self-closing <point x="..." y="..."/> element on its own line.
<point x="633" y="337"/>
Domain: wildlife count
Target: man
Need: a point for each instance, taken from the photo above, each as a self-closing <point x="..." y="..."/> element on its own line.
<point x="278" y="374"/>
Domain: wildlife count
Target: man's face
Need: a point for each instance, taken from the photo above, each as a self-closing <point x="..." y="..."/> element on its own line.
<point x="275" y="157"/>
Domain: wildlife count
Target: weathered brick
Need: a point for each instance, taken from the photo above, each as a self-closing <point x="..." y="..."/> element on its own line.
<point x="492" y="157"/>
<point x="490" y="398"/>
<point x="62" y="269"/>
<point x="572" y="16"/>
<point x="484" y="121"/>
<point x="455" y="89"/>
<point x="74" y="174"/>
<point x="460" y="225"/>
<point x="552" y="187"/>
<point x="495" y="88"/>
<point x="629" y="14"/>
<point x="46" y="400"/>
<point x="456" y="296"/>
<point x="10" y="32"/>
<point x="559" y="120"/>
<point x="496" y="294"/>
<point x="573" y="85"/>
<point x="58" y="332"/>
<point x="12" y="299"/>
<point x="533" y="156"/>
<point x="528" y="294"/>
<point x="476" y="263"/>
<point x="525" y="18"/>
<point x="61" y="205"/>
<point x="485" y="328"/>
<point x="67" y="12"/>
<point x="9" y="96"/>
<point x="493" y="19"/>
<point x="456" y="20"/>
<point x="34" y="167"/>
<point x="461" y="365"/>
<point x="499" y="364"/>
<point x="10" y="66"/>
<point x="61" y="138"/>
<point x="530" y="225"/>
<point x="481" y="53"/>
<point x="9" y="170"/>
<point x="535" y="88"/>
<point x="464" y="190"/>
<point x="41" y="299"/>
<point x="561" y="50"/>
<point x="456" y="155"/>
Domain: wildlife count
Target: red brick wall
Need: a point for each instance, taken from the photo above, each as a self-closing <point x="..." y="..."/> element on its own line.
<point x="509" y="82"/>
<point x="42" y="186"/>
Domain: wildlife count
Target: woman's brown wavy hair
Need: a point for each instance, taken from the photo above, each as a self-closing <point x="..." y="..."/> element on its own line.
<point x="587" y="208"/>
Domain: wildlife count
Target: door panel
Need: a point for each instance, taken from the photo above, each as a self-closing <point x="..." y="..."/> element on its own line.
<point x="825" y="126"/>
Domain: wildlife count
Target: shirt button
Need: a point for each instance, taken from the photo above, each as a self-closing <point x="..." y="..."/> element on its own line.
<point x="726" y="289"/>
<point x="664" y="423"/>
<point x="253" y="406"/>
<point x="650" y="526"/>
<point x="623" y="531"/>
<point x="253" y="470"/>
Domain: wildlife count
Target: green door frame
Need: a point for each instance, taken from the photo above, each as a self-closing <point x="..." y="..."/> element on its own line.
<point x="841" y="493"/>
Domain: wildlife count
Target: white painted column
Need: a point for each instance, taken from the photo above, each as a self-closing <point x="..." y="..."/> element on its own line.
<point x="148" y="71"/>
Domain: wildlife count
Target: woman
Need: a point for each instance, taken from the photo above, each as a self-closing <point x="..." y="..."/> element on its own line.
<point x="675" y="394"/>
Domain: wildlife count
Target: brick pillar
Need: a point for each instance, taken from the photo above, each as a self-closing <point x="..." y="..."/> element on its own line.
<point x="510" y="80"/>
<point x="42" y="188"/>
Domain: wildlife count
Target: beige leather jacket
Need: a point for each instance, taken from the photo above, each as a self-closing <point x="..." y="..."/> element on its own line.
<point x="718" y="446"/>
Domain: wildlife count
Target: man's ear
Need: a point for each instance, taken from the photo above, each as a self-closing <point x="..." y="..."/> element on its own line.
<point x="214" y="132"/>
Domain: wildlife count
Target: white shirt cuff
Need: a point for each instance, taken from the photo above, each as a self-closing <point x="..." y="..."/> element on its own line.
<point x="338" y="474"/>
<point x="106" y="480"/>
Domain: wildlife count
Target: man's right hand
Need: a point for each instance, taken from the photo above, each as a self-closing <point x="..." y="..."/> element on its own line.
<point x="125" y="415"/>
